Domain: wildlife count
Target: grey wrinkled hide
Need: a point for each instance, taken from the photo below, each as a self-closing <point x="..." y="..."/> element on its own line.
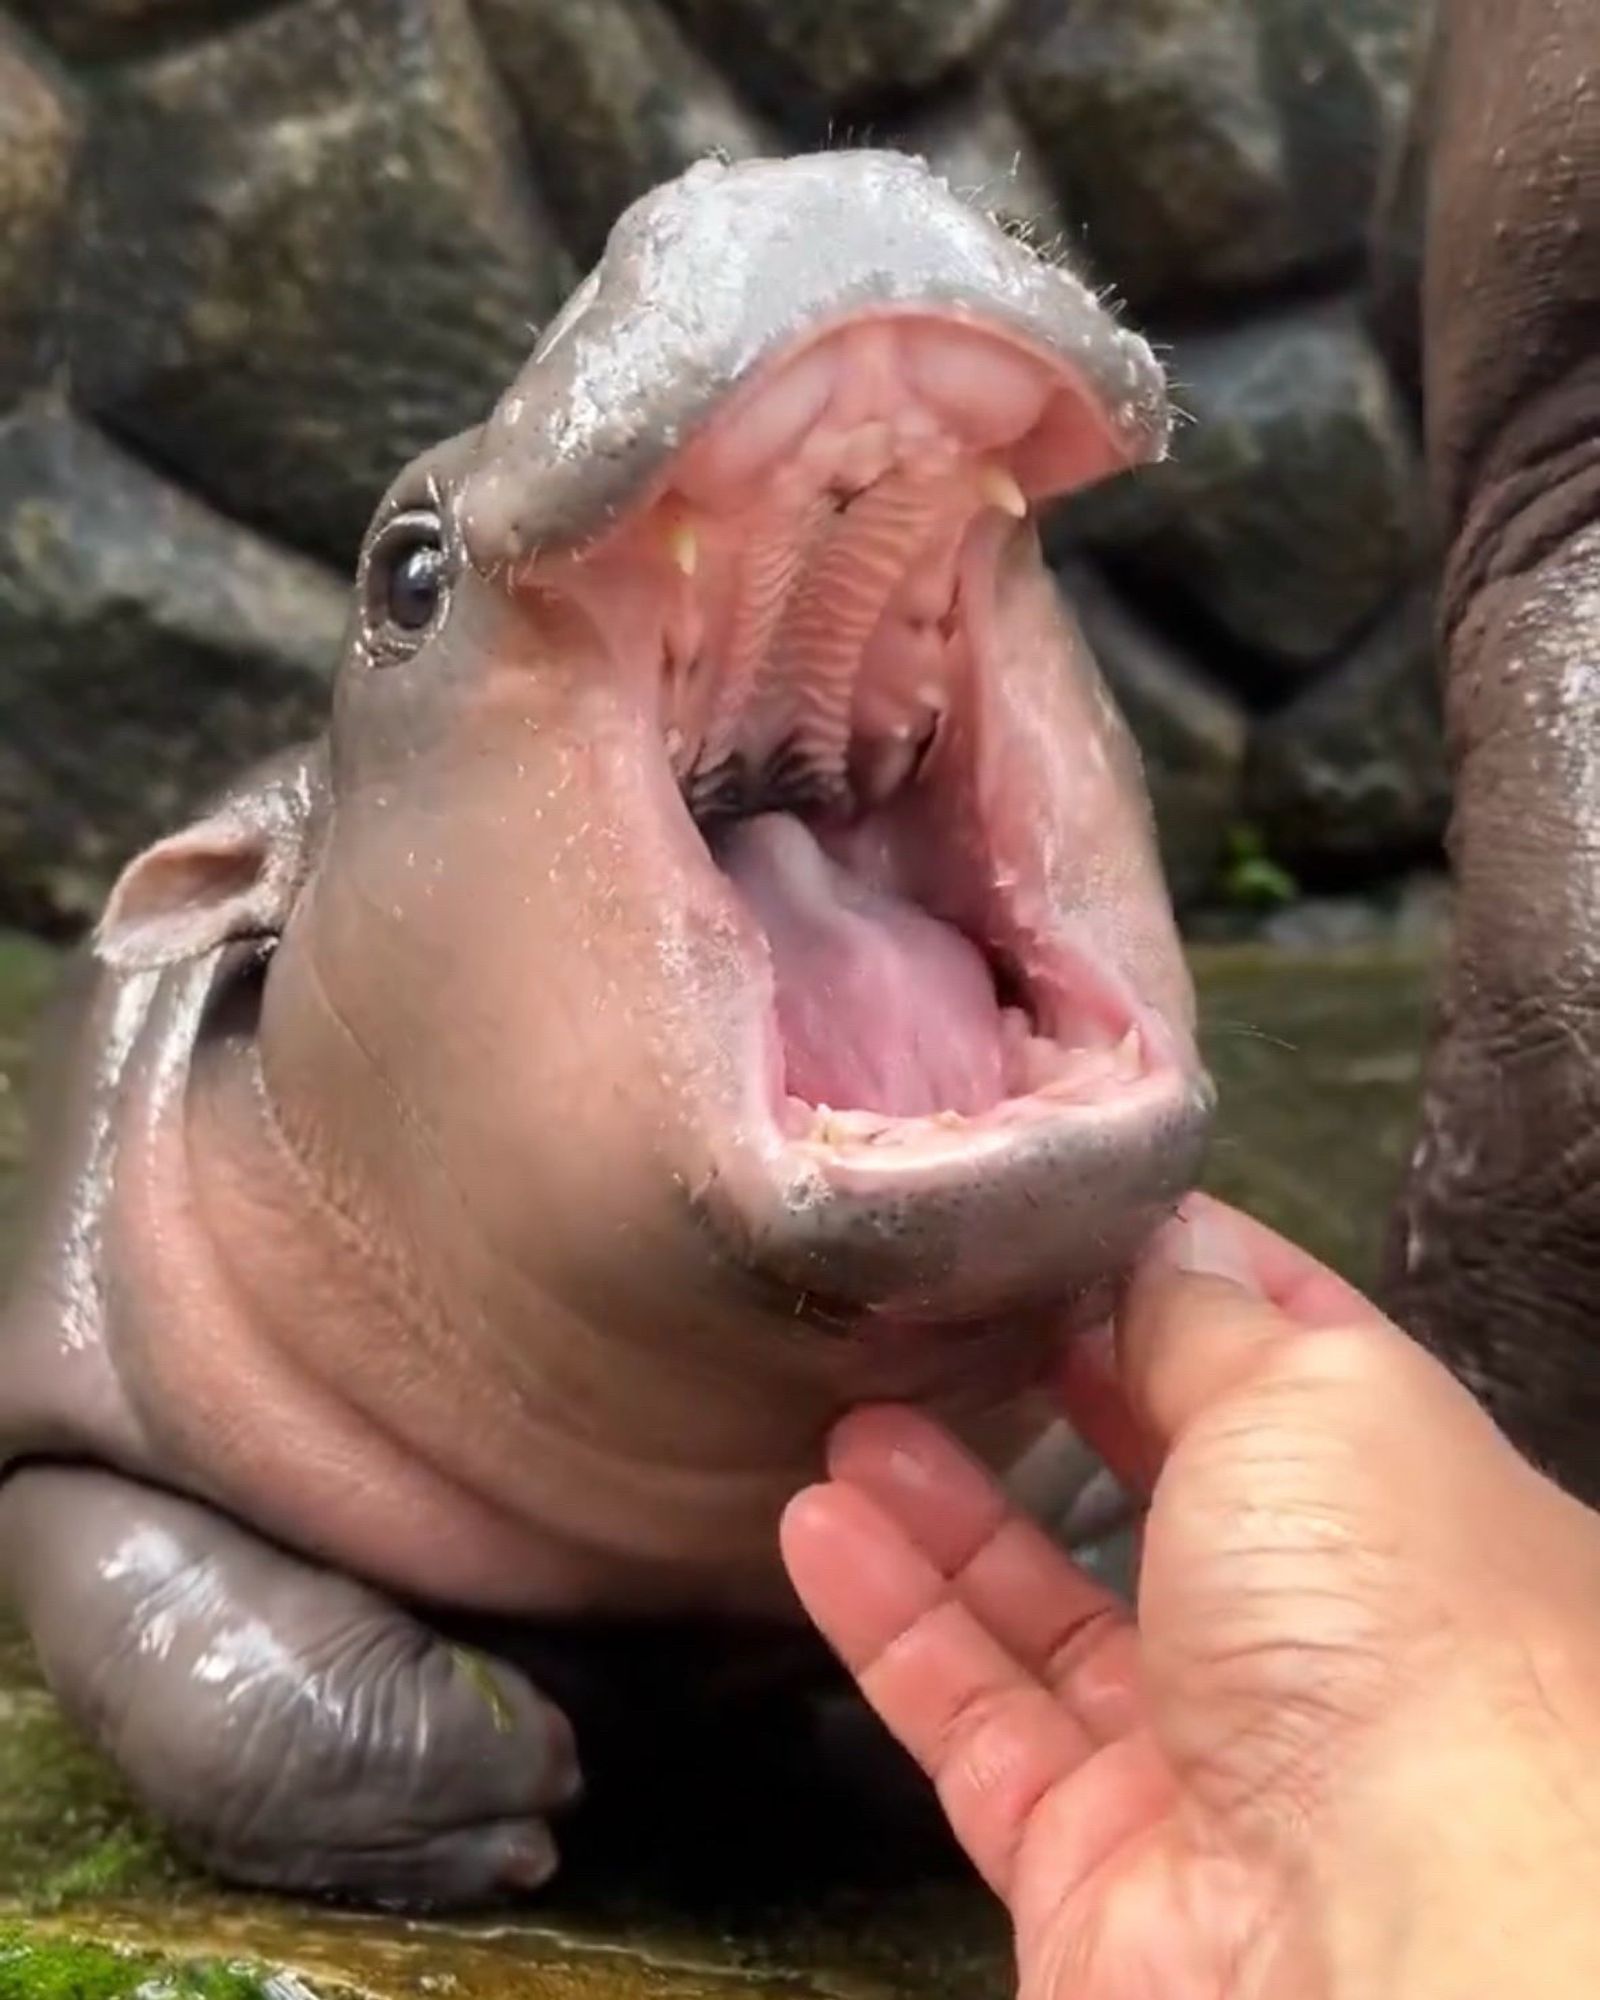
<point x="1495" y="1257"/>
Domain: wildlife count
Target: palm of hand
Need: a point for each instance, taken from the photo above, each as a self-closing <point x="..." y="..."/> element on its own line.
<point x="1153" y="1803"/>
<point x="1017" y="1682"/>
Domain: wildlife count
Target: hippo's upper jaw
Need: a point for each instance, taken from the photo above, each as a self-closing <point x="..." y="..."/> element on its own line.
<point x="779" y="454"/>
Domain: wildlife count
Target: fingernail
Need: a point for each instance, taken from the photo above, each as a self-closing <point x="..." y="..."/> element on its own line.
<point x="1199" y="1241"/>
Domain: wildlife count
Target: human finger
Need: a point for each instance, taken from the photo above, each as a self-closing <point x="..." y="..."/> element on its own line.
<point x="1059" y="1623"/>
<point x="993" y="1741"/>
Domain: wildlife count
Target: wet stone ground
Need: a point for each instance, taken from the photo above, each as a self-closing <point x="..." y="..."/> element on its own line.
<point x="1316" y="1055"/>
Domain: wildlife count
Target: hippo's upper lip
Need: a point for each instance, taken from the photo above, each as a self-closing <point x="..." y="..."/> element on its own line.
<point x="706" y="280"/>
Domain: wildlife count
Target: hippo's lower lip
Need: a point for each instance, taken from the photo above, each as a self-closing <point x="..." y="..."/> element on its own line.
<point x="852" y="655"/>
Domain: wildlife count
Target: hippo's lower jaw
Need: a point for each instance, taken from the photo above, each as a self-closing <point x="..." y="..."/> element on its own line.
<point x="972" y="1077"/>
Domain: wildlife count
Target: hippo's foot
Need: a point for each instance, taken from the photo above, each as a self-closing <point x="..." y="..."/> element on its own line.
<point x="293" y="1729"/>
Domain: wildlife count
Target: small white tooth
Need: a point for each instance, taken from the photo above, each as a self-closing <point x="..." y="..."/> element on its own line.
<point x="1001" y="490"/>
<point x="683" y="545"/>
<point x="848" y="1128"/>
<point x="1128" y="1053"/>
<point x="882" y="772"/>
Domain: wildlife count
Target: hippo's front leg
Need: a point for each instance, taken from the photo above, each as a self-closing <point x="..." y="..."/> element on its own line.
<point x="293" y="1729"/>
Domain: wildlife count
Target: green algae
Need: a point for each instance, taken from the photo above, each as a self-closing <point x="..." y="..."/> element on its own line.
<point x="67" y="1829"/>
<point x="42" y="1968"/>
<point x="27" y="973"/>
<point x="480" y="1674"/>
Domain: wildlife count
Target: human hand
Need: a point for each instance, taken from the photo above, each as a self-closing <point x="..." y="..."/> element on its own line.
<point x="1352" y="1745"/>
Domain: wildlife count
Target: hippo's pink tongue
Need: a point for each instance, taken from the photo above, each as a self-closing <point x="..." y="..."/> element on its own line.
<point x="881" y="1007"/>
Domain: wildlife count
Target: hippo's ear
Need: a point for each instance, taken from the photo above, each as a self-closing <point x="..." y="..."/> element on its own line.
<point x="222" y="879"/>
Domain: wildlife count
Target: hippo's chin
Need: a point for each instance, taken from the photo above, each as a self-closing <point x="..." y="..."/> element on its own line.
<point x="971" y="1074"/>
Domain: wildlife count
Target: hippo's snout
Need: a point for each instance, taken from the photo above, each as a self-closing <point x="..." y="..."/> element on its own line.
<point x="712" y="282"/>
<point x="781" y="457"/>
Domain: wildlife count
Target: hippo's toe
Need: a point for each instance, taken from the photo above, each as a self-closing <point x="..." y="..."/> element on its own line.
<point x="291" y="1728"/>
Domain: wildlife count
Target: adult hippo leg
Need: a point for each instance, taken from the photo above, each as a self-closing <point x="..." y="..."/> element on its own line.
<point x="1496" y="1250"/>
<point x="292" y="1728"/>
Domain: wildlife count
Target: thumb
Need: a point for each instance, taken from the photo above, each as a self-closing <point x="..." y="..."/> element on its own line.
<point x="1215" y="1300"/>
<point x="1196" y="1324"/>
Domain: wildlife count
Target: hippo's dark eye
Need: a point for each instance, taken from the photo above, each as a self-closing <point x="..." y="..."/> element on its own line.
<point x="408" y="575"/>
<point x="414" y="586"/>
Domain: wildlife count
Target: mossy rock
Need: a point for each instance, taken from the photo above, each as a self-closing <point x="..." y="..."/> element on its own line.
<point x="27" y="972"/>
<point x="37" y="1967"/>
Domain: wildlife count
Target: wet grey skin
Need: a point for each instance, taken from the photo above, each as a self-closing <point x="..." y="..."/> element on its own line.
<point x="1495" y="1252"/>
<point x="418" y="1248"/>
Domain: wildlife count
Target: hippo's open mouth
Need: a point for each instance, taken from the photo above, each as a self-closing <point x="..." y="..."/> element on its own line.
<point x="914" y="1032"/>
<point x="837" y="657"/>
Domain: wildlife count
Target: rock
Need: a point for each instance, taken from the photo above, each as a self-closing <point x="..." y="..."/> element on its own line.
<point x="147" y="651"/>
<point x="1411" y="915"/>
<point x="95" y="30"/>
<point x="39" y="131"/>
<point x="1340" y="72"/>
<point x="310" y="250"/>
<point x="1399" y="224"/>
<point x="613" y="100"/>
<point x="805" y="58"/>
<point x="1351" y="777"/>
<point x="1291" y="511"/>
<point x="977" y="143"/>
<point x="1155" y="118"/>
<point x="1191" y="733"/>
<point x="1214" y="145"/>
